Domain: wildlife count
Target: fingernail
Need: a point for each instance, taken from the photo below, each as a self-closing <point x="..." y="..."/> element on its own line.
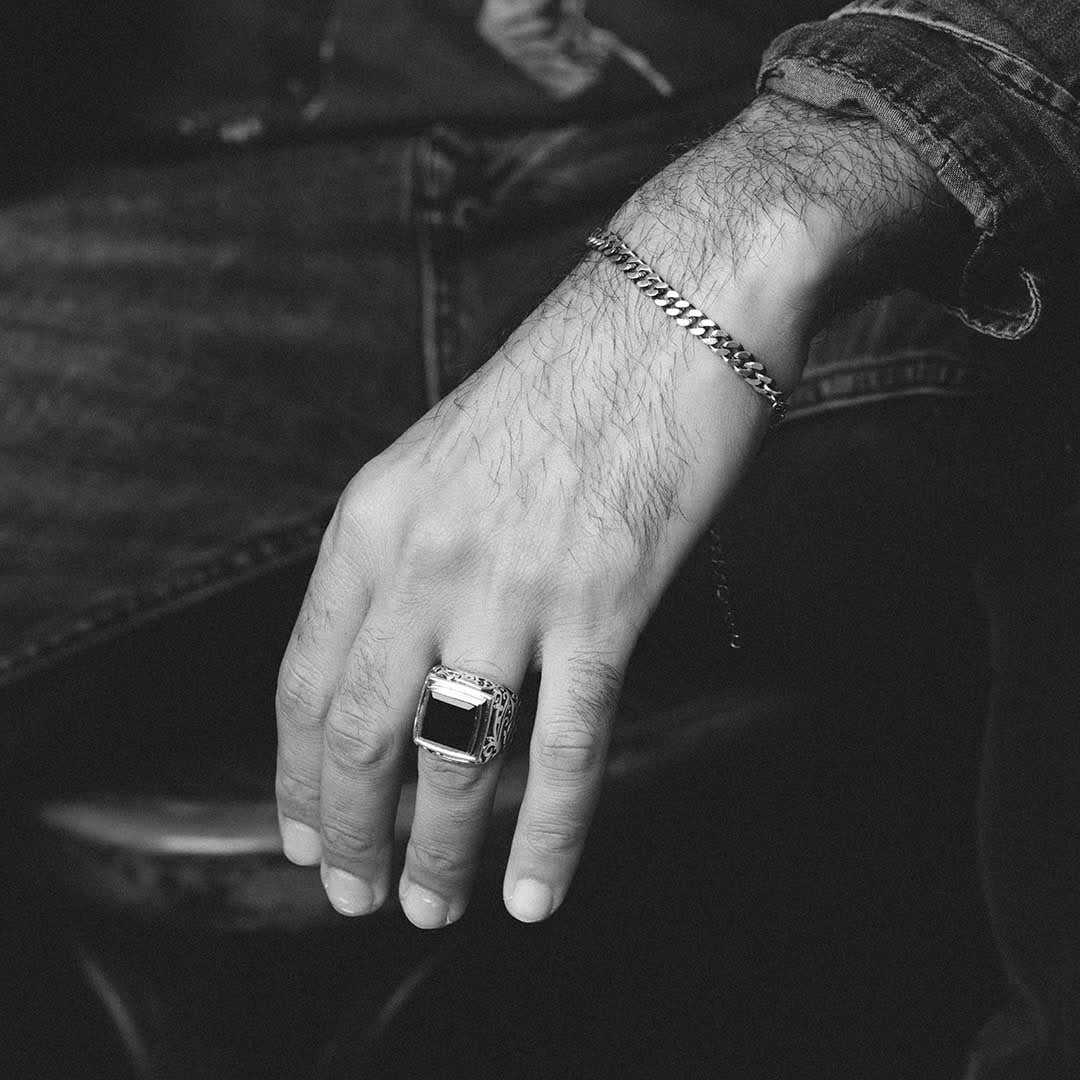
<point x="424" y="908"/>
<point x="348" y="894"/>
<point x="531" y="900"/>
<point x="302" y="843"/>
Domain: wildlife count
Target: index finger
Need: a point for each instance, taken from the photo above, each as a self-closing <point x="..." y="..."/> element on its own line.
<point x="330" y="616"/>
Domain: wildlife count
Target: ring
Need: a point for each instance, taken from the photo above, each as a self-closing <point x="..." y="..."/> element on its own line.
<point x="464" y="717"/>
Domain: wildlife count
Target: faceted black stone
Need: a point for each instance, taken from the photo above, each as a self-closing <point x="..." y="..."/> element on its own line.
<point x="450" y="725"/>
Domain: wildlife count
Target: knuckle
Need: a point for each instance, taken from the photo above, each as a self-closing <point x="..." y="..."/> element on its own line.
<point x="295" y="792"/>
<point x="360" y="516"/>
<point x="568" y="748"/>
<point x="300" y="700"/>
<point x="314" y="620"/>
<point x="348" y="841"/>
<point x="448" y="778"/>
<point x="604" y="607"/>
<point x="547" y="837"/>
<point x="356" y="749"/>
<point x="598" y="581"/>
<point x="432" y="541"/>
<point x="521" y="568"/>
<point x="594" y="583"/>
<point x="438" y="860"/>
<point x="363" y="687"/>
<point x="571" y="742"/>
<point x="359" y="501"/>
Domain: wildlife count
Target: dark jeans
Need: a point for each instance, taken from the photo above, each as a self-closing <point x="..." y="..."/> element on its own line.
<point x="198" y="353"/>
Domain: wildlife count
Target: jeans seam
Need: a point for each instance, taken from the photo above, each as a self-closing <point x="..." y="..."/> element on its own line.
<point x="439" y="212"/>
<point x="1057" y="99"/>
<point x="236" y="562"/>
<point x="918" y="116"/>
<point x="924" y="16"/>
<point x="901" y="374"/>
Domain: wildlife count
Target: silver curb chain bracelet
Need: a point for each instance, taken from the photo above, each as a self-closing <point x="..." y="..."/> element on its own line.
<point x="720" y="343"/>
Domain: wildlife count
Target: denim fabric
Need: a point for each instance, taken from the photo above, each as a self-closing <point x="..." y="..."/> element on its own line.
<point x="193" y="353"/>
<point x="242" y="71"/>
<point x="986" y="94"/>
<point x="1029" y="804"/>
<point x="198" y="353"/>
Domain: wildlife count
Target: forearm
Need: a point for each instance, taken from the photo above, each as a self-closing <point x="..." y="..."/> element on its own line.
<point x="768" y="227"/>
<point x="786" y="216"/>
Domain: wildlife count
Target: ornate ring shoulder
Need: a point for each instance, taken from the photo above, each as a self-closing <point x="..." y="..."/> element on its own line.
<point x="464" y="717"/>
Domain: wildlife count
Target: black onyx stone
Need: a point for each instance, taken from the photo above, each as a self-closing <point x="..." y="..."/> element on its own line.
<point x="450" y="725"/>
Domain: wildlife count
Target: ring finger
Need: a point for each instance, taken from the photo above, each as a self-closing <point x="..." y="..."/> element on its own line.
<point x="453" y="803"/>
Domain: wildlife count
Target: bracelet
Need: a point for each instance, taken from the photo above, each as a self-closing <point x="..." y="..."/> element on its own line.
<point x="675" y="306"/>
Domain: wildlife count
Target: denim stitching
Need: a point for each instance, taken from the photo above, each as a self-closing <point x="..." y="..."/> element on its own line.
<point x="1010" y="324"/>
<point x="237" y="562"/>
<point x="1057" y="98"/>
<point x="925" y="124"/>
<point x="901" y="374"/>
<point x="1017" y="323"/>
<point x="440" y="215"/>
<point x="995" y="64"/>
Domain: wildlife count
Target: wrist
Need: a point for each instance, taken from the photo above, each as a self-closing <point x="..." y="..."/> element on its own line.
<point x="787" y="216"/>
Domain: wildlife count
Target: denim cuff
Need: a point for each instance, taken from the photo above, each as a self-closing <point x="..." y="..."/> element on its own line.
<point x="1001" y="134"/>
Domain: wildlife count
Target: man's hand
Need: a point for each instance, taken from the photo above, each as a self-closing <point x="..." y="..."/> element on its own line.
<point x="535" y="516"/>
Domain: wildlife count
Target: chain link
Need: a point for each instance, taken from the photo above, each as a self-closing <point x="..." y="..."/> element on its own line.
<point x="694" y="321"/>
<point x="740" y="360"/>
<point x="722" y="588"/>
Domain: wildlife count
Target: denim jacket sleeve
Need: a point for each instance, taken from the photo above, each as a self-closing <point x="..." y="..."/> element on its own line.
<point x="986" y="94"/>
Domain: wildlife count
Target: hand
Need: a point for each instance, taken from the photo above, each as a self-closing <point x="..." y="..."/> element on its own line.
<point x="533" y="519"/>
